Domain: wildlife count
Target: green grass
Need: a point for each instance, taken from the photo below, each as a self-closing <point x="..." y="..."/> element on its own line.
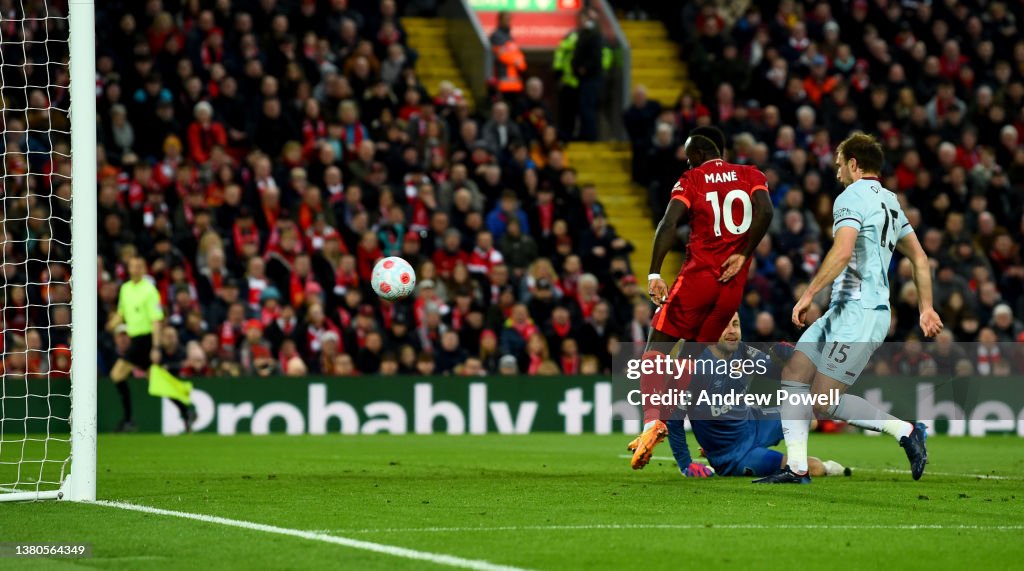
<point x="512" y="491"/>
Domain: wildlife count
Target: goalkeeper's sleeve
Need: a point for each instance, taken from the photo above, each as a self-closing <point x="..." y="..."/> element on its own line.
<point x="677" y="441"/>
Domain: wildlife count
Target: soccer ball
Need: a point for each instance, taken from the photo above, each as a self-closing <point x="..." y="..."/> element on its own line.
<point x="393" y="279"/>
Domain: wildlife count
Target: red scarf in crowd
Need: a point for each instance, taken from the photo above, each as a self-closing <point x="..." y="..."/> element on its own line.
<point x="525" y="329"/>
<point x="313" y="131"/>
<point x="535" y="362"/>
<point x="243" y="236"/>
<point x="547" y="217"/>
<point x="571" y="365"/>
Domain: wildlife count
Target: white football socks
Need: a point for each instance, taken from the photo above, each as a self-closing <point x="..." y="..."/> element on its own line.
<point x="863" y="414"/>
<point x="796" y="424"/>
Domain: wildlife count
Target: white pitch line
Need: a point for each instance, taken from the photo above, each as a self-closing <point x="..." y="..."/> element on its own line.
<point x="438" y="558"/>
<point x="890" y="471"/>
<point x="680" y="526"/>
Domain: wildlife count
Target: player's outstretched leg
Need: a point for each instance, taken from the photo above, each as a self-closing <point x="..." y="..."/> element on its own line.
<point x="917" y="451"/>
<point x="911" y="437"/>
<point x="655" y="430"/>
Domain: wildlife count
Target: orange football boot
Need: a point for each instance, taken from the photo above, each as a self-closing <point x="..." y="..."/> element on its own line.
<point x="633" y="444"/>
<point x="643" y="445"/>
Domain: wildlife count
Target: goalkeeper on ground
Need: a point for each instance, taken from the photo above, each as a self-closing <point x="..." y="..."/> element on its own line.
<point x="735" y="439"/>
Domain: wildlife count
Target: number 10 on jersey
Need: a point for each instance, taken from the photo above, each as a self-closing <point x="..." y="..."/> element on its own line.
<point x="726" y="207"/>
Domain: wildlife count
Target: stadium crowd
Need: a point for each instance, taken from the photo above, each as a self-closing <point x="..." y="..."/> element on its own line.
<point x="262" y="156"/>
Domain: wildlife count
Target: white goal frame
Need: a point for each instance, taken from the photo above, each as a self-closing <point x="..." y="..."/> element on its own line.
<point x="80" y="482"/>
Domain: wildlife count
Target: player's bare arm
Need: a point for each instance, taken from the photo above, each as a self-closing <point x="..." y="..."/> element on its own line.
<point x="910" y="247"/>
<point x="763" y="213"/>
<point x="833" y="265"/>
<point x="664" y="238"/>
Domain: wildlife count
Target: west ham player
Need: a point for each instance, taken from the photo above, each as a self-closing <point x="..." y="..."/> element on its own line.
<point x="730" y="211"/>
<point x="868" y="226"/>
<point x="735" y="439"/>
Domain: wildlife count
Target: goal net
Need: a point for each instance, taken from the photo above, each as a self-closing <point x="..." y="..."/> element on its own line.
<point x="44" y="429"/>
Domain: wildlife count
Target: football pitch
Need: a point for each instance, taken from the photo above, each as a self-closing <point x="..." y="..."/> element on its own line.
<point x="531" y="502"/>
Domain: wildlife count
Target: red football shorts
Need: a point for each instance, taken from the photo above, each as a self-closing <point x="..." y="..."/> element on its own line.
<point x="699" y="307"/>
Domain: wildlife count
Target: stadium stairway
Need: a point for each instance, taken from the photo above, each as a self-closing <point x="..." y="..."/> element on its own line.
<point x="607" y="165"/>
<point x="429" y="37"/>
<point x="656" y="61"/>
<point x="658" y="66"/>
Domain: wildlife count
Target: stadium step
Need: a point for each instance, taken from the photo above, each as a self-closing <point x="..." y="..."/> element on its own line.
<point x="436" y="63"/>
<point x="608" y="166"/>
<point x="644" y="28"/>
<point x="650" y="50"/>
<point x="656" y="61"/>
<point x="653" y="77"/>
<point x="631" y="201"/>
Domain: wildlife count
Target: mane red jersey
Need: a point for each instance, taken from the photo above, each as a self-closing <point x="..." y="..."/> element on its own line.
<point x="718" y="196"/>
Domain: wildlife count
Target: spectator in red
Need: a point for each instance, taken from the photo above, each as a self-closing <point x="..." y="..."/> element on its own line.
<point x="537" y="353"/>
<point x="204" y="133"/>
<point x="449" y="254"/>
<point x="426" y="298"/>
<point x="166" y="170"/>
<point x="162" y="32"/>
<point x="912" y="359"/>
<point x="353" y="131"/>
<point x="951" y="60"/>
<point x="569" y="359"/>
<point x="314" y="127"/>
<point x="270" y="305"/>
<point x="317" y="324"/>
<point x="253" y="346"/>
<point x="196" y="364"/>
<point x="518" y="328"/>
<point x="485" y="256"/>
<point x="368" y="252"/>
<point x="312" y="208"/>
<point x="255" y="282"/>
<point x="60" y="362"/>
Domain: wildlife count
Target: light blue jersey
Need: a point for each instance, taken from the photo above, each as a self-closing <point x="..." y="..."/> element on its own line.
<point x="876" y="214"/>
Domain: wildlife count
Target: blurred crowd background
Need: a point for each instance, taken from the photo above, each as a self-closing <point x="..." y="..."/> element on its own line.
<point x="263" y="155"/>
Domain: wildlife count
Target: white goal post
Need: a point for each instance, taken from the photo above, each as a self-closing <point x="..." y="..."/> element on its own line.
<point x="82" y="37"/>
<point x="52" y="456"/>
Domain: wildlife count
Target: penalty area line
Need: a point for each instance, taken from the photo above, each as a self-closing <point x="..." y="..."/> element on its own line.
<point x="394" y="551"/>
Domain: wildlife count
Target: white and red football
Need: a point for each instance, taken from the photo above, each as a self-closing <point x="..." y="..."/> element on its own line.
<point x="393" y="279"/>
